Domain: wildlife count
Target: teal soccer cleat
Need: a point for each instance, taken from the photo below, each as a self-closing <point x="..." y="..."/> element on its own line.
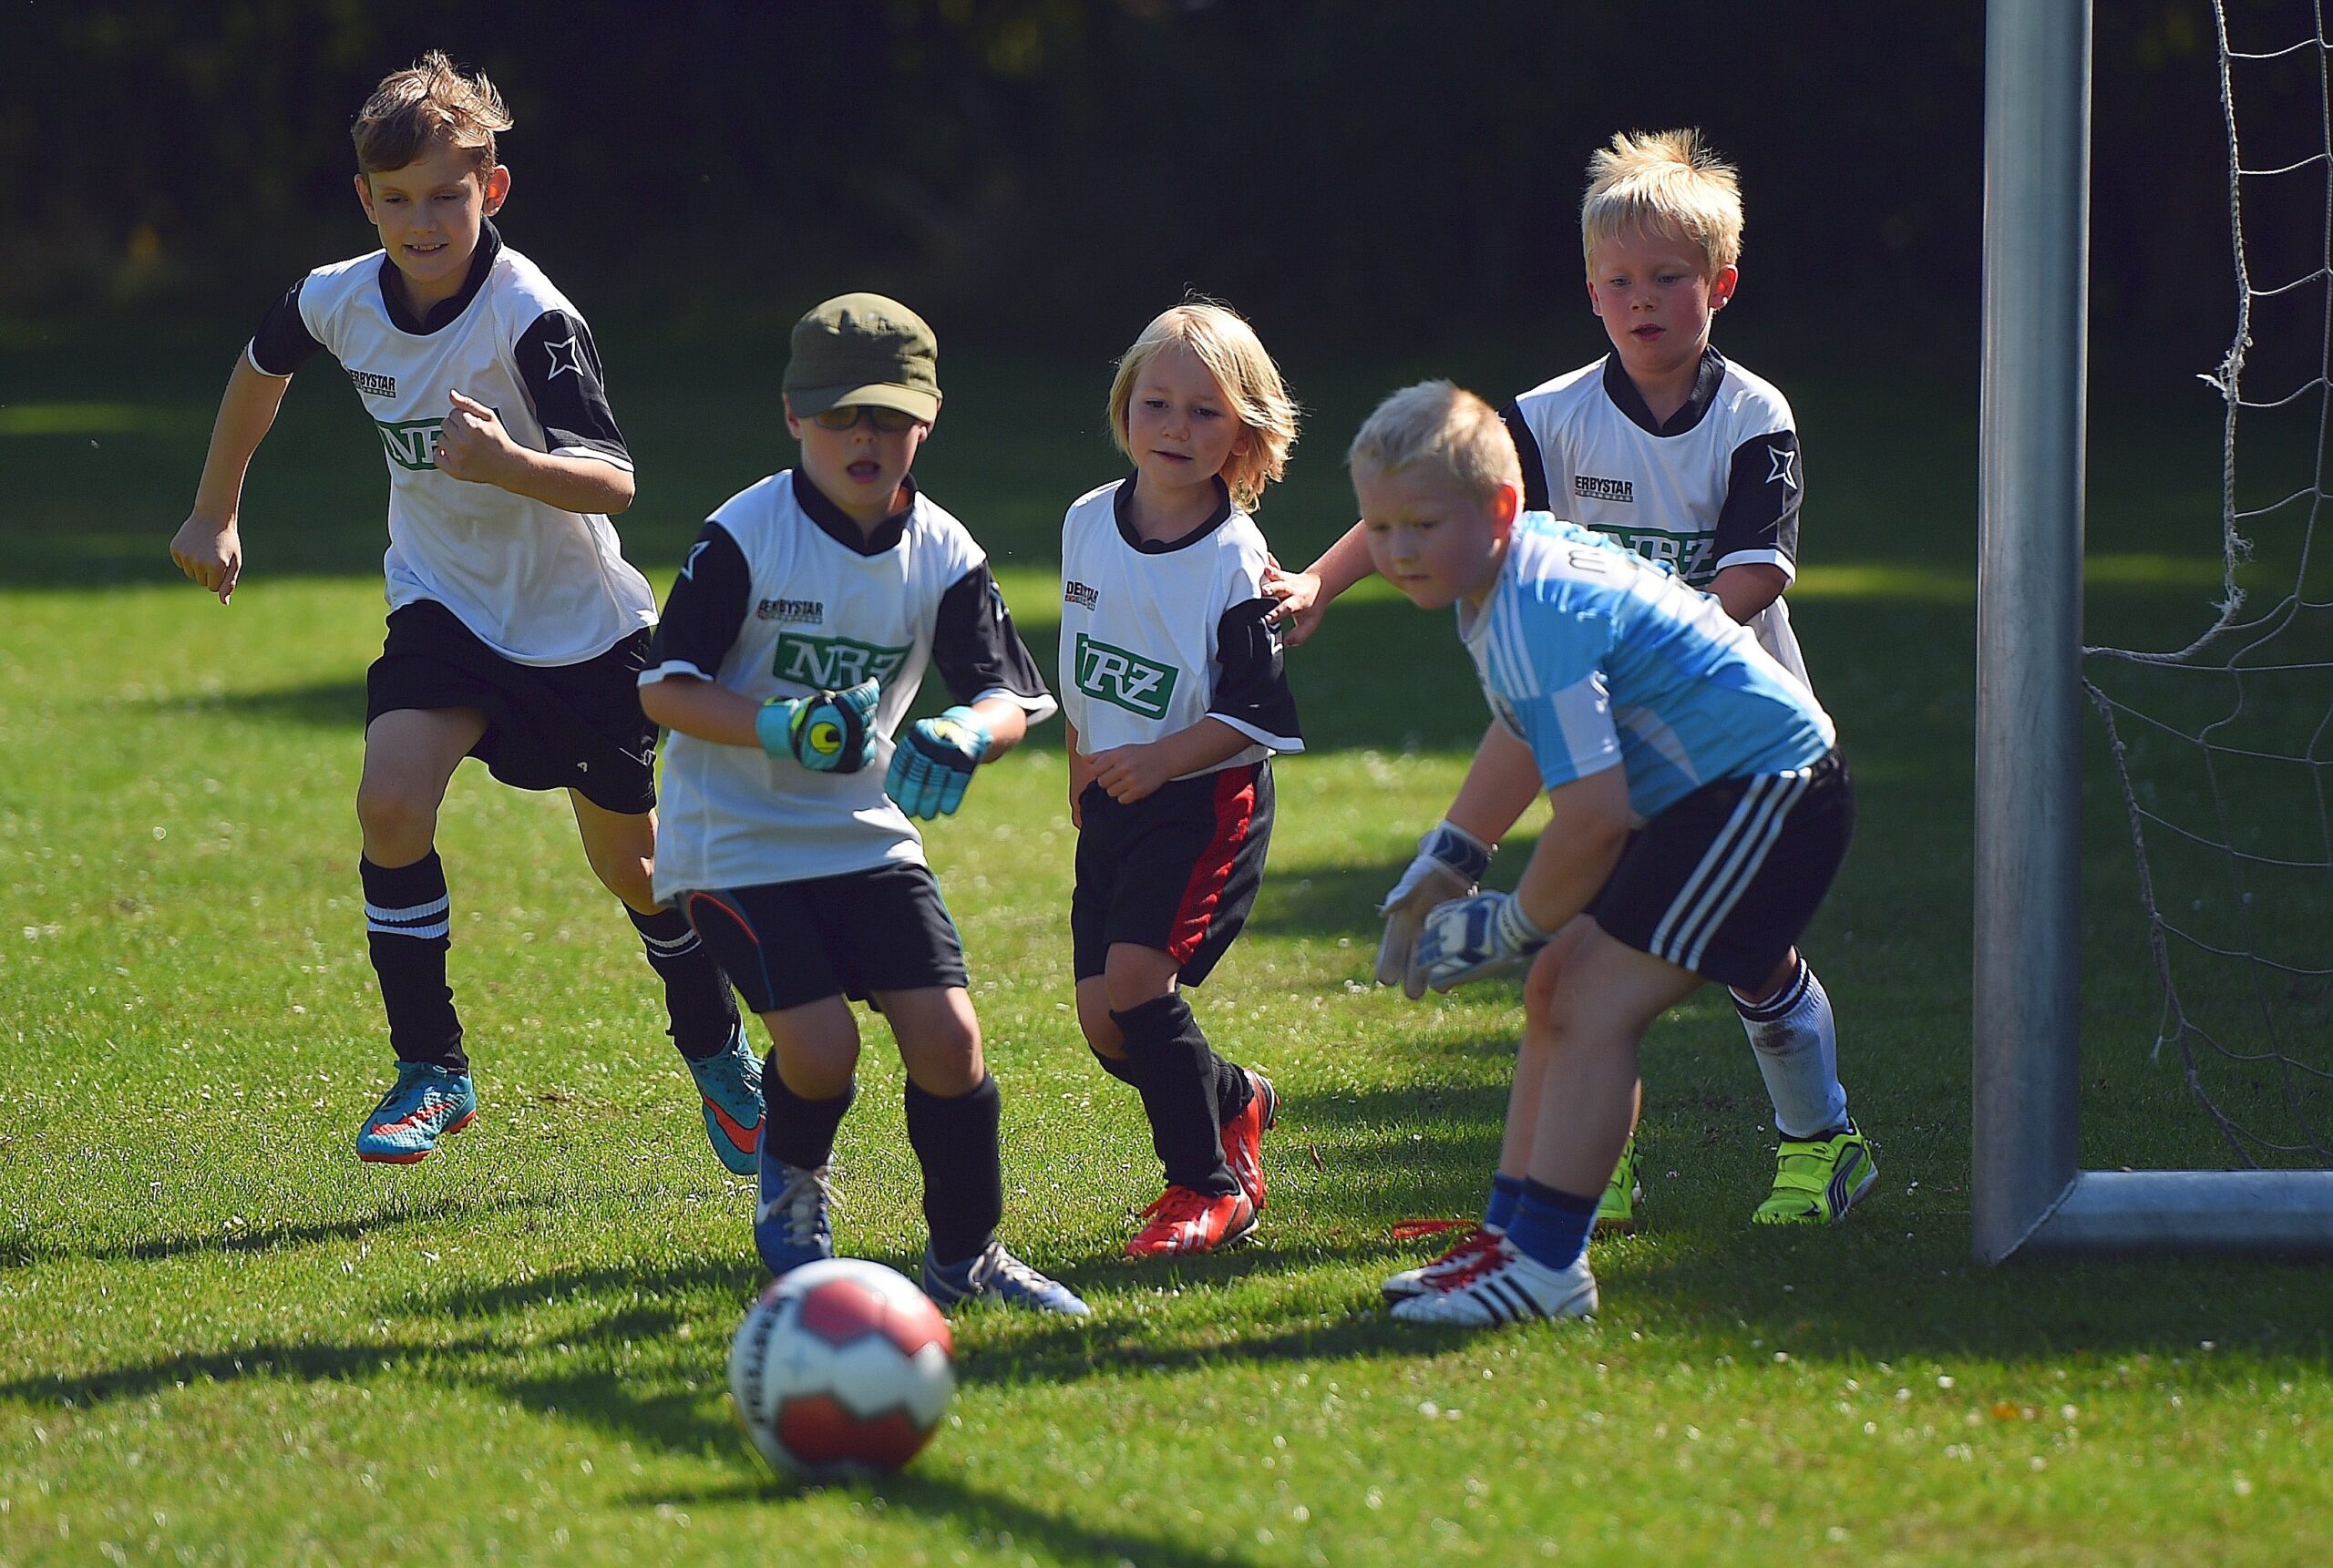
<point x="730" y="1081"/>
<point x="425" y="1103"/>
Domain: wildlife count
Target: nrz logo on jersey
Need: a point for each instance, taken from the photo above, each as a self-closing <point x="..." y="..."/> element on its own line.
<point x="803" y="611"/>
<point x="1078" y="594"/>
<point x="831" y="663"/>
<point x="410" y="444"/>
<point x="374" y="384"/>
<point x="1590" y="487"/>
<point x="1126" y="680"/>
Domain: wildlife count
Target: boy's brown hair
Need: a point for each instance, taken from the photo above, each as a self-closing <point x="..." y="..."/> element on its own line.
<point x="428" y="102"/>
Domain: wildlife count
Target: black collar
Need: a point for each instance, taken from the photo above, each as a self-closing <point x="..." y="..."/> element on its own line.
<point x="839" y="525"/>
<point x="442" y="313"/>
<point x="1121" y="503"/>
<point x="1631" y="402"/>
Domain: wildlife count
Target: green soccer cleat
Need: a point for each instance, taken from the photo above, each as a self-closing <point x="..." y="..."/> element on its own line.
<point x="1620" y="1208"/>
<point x="1818" y="1180"/>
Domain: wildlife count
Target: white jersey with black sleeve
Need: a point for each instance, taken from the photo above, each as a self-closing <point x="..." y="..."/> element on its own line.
<point x="1157" y="635"/>
<point x="783" y="595"/>
<point x="1716" y="484"/>
<point x="538" y="585"/>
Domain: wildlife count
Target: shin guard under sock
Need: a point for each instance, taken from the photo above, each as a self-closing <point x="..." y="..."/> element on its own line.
<point x="956" y="1142"/>
<point x="408" y="926"/>
<point x="1798" y="1055"/>
<point x="697" y="999"/>
<point x="795" y="1131"/>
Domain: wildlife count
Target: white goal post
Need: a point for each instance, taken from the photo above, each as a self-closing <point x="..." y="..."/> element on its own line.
<point x="2028" y="1194"/>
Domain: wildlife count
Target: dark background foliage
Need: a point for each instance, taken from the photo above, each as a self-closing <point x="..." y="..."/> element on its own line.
<point x="1371" y="169"/>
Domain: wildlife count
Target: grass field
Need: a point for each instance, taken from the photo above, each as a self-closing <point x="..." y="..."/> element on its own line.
<point x="221" y="1338"/>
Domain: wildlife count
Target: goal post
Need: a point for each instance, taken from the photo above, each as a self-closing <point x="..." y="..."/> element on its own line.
<point x="2028" y="1193"/>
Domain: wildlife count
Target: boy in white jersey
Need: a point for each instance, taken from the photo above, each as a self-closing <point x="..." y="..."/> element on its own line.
<point x="1666" y="447"/>
<point x="1176" y="700"/>
<point x="791" y="648"/>
<point x="517" y="628"/>
<point x="1701" y="811"/>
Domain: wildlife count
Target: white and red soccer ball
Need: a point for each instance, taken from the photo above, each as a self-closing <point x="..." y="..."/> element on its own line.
<point x="841" y="1371"/>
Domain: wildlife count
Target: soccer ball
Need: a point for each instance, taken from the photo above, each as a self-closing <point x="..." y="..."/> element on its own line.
<point x="841" y="1370"/>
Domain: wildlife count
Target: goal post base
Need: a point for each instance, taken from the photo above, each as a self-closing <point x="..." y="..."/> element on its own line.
<point x="2268" y="1213"/>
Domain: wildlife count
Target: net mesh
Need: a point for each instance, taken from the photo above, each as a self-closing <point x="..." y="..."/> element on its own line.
<point x="2222" y="746"/>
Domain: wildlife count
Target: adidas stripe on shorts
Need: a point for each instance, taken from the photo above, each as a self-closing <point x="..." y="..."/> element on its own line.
<point x="1724" y="882"/>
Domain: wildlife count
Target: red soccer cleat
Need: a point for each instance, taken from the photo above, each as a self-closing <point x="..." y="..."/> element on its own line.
<point x="1243" y="1136"/>
<point x="1183" y="1221"/>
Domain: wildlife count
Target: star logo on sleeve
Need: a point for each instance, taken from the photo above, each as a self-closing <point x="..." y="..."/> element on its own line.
<point x="565" y="356"/>
<point x="1785" y="462"/>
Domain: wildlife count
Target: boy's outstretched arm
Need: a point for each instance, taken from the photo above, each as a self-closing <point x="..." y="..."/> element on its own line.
<point x="208" y="545"/>
<point x="1469" y="938"/>
<point x="1304" y="596"/>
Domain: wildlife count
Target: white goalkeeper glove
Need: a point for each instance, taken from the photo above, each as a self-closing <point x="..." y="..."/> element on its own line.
<point x="1449" y="865"/>
<point x="1470" y="938"/>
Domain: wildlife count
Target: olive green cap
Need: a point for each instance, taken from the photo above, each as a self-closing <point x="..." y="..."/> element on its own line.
<point x="863" y="349"/>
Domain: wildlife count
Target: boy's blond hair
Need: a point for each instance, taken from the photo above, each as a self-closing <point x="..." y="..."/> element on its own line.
<point x="428" y="102"/>
<point x="1443" y="424"/>
<point x="1250" y="382"/>
<point x="1663" y="179"/>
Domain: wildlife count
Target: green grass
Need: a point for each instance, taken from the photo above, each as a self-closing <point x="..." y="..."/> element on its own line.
<point x="223" y="1338"/>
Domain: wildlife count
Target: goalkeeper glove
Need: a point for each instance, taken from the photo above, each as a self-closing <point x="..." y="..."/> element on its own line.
<point x="832" y="732"/>
<point x="1470" y="938"/>
<point x="934" y="763"/>
<point x="1450" y="863"/>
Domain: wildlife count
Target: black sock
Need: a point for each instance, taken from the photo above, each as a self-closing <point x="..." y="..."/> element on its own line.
<point x="956" y="1142"/>
<point x="1121" y="1068"/>
<point x="407" y="926"/>
<point x="1232" y="1090"/>
<point x="696" y="998"/>
<point x="797" y="1130"/>
<point x="1176" y="1071"/>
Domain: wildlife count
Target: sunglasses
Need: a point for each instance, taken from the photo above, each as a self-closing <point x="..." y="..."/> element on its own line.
<point x="890" y="421"/>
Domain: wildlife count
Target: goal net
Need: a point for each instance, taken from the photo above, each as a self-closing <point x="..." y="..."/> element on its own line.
<point x="2219" y="732"/>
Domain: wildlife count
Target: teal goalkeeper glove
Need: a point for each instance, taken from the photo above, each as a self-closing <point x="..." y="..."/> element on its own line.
<point x="1467" y="939"/>
<point x="832" y="732"/>
<point x="934" y="760"/>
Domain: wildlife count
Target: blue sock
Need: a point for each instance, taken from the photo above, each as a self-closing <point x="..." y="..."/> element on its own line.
<point x="1551" y="1226"/>
<point x="1506" y="1192"/>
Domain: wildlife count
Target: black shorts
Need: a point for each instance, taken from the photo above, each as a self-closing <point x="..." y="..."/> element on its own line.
<point x="785" y="944"/>
<point x="1176" y="870"/>
<point x="553" y="727"/>
<point x="1724" y="882"/>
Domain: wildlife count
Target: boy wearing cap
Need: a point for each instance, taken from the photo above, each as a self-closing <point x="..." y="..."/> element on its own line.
<point x="791" y="647"/>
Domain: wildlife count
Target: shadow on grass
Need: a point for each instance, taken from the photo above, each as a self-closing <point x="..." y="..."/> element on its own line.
<point x="985" y="1517"/>
<point x="22" y="1249"/>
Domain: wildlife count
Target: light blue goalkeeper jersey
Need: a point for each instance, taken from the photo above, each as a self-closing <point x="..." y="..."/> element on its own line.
<point x="1594" y="657"/>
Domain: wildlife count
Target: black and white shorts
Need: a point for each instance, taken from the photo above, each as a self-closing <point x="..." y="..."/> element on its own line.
<point x="787" y="944"/>
<point x="1724" y="882"/>
<point x="1176" y="870"/>
<point x="556" y="726"/>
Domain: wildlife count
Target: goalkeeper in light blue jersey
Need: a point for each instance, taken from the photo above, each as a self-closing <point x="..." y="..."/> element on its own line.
<point x="1701" y="811"/>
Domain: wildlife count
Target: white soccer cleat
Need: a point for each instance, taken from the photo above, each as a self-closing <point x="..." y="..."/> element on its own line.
<point x="1428" y="1276"/>
<point x="1505" y="1287"/>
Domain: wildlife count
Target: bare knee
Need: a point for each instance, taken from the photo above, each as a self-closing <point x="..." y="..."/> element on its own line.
<point x="1102" y="1032"/>
<point x="397" y="817"/>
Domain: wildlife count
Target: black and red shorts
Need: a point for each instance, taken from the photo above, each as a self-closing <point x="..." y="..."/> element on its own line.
<point x="548" y="726"/>
<point x="1724" y="881"/>
<point x="1176" y="870"/>
<point x="787" y="944"/>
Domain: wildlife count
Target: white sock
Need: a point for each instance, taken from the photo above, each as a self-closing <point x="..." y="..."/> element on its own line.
<point x="1798" y="1055"/>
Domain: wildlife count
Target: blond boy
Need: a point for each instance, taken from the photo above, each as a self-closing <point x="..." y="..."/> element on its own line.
<point x="1701" y="810"/>
<point x="1669" y="449"/>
